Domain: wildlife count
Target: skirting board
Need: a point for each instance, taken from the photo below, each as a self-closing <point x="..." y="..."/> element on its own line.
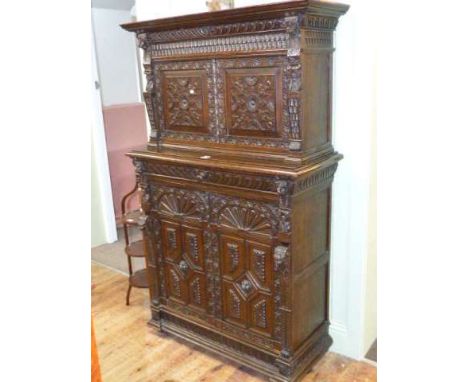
<point x="341" y="340"/>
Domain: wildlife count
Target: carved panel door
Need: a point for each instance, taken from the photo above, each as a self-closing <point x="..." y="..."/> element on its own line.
<point x="247" y="283"/>
<point x="184" y="264"/>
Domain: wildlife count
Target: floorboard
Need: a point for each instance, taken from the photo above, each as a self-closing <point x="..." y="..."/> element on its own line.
<point x="131" y="351"/>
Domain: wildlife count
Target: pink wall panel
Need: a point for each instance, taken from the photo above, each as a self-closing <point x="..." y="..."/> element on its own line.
<point x="125" y="127"/>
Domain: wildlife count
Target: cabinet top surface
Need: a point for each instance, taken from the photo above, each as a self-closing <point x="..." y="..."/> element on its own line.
<point x="256" y="12"/>
<point x="223" y="162"/>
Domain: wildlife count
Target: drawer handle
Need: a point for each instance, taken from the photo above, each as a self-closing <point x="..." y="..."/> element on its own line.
<point x="183" y="266"/>
<point x="246" y="286"/>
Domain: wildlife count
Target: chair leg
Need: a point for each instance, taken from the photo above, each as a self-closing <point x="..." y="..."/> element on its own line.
<point x="128" y="294"/>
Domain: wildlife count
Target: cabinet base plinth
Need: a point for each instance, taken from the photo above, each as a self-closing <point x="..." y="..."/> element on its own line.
<point x="274" y="368"/>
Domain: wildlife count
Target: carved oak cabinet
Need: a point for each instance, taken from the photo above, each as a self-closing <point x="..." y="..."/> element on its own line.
<point x="236" y="180"/>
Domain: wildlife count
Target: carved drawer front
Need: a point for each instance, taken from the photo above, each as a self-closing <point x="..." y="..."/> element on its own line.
<point x="184" y="262"/>
<point x="247" y="283"/>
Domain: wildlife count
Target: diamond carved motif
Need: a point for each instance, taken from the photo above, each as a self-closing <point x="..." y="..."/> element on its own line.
<point x="246" y="285"/>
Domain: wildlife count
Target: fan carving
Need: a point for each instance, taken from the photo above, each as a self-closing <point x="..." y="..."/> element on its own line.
<point x="177" y="205"/>
<point x="246" y="219"/>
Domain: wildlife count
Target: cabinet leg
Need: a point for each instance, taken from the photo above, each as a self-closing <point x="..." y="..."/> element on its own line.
<point x="128" y="294"/>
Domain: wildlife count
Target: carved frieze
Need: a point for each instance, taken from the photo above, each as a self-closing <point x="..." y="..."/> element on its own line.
<point x="250" y="27"/>
<point x="319" y="22"/>
<point x="247" y="43"/>
<point x="317" y="39"/>
<point x="262" y="183"/>
<point x="316" y="178"/>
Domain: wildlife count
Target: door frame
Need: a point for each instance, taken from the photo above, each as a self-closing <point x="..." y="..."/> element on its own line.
<point x="99" y="140"/>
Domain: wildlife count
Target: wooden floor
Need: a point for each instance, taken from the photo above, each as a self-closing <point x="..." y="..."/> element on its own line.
<point x="130" y="351"/>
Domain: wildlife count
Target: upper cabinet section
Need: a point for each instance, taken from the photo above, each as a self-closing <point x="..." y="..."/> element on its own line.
<point x="254" y="79"/>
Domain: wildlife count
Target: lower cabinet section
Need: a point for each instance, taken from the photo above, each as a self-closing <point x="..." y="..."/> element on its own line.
<point x="224" y="274"/>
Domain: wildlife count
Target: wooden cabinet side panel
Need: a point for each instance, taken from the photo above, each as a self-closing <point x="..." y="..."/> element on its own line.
<point x="316" y="99"/>
<point x="310" y="258"/>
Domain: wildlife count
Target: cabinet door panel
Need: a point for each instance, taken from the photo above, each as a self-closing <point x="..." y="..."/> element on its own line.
<point x="254" y="101"/>
<point x="185" y="95"/>
<point x="247" y="279"/>
<point x="184" y="257"/>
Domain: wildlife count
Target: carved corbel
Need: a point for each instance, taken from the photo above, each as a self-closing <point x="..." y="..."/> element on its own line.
<point x="292" y="27"/>
<point x="142" y="40"/>
<point x="282" y="188"/>
<point x="279" y="255"/>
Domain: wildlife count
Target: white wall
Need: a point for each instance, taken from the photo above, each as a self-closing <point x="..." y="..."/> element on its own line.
<point x="352" y="301"/>
<point x="116" y="56"/>
<point x="354" y="121"/>
<point x="103" y="229"/>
